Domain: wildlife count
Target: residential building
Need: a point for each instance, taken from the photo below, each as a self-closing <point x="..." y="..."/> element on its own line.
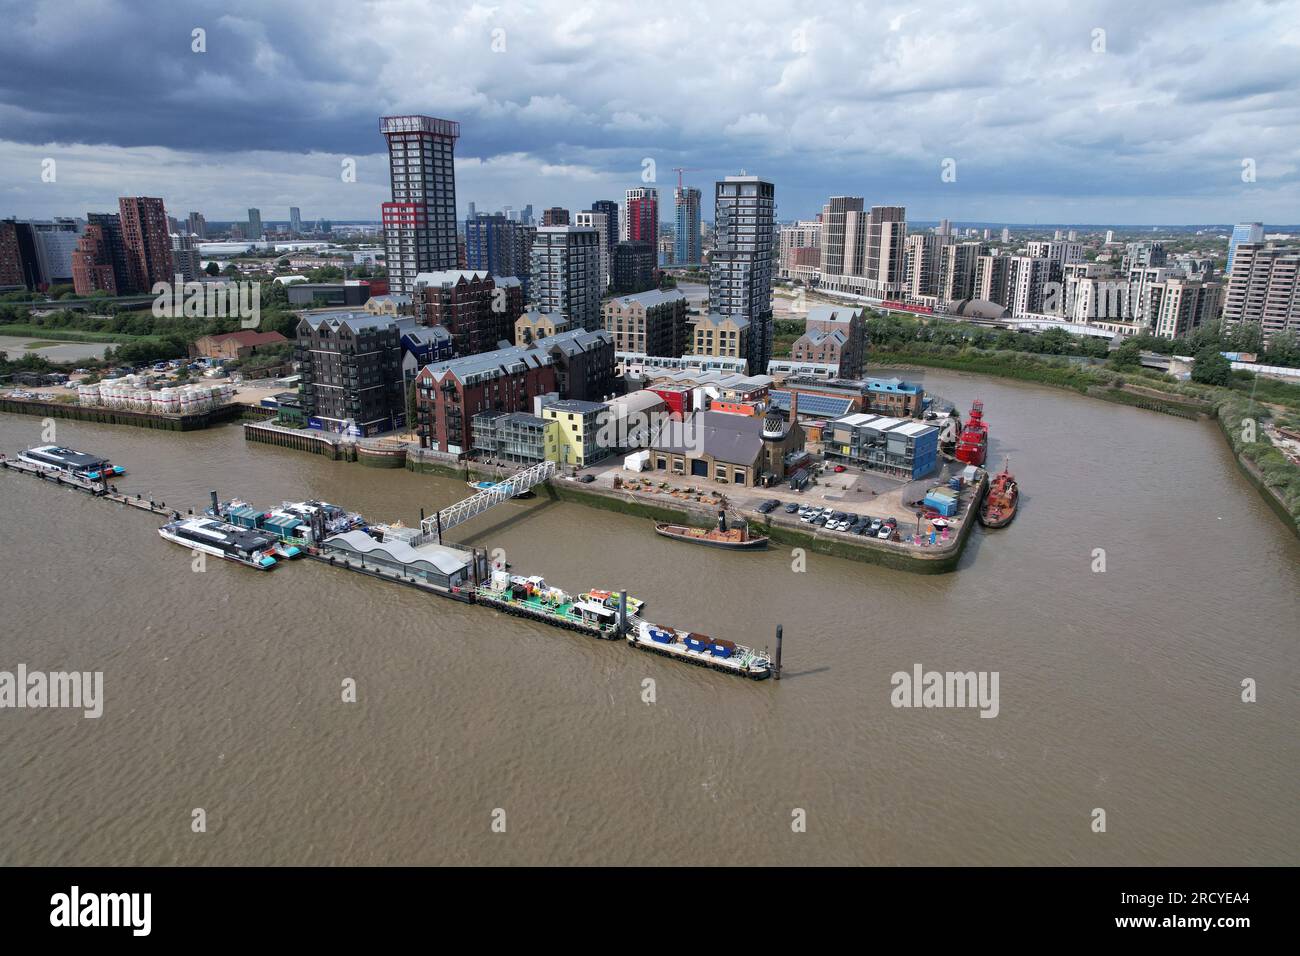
<point x="642" y="216"/>
<point x="957" y="265"/>
<point x="599" y="221"/>
<point x="555" y="216"/>
<point x="534" y="326"/>
<point x="197" y="225"/>
<point x="609" y="209"/>
<point x="255" y="231"/>
<point x="1027" y="277"/>
<point x="351" y="368"/>
<point x="650" y="323"/>
<point x="566" y="274"/>
<point x="885" y="264"/>
<point x="579" y="431"/>
<point x="449" y="395"/>
<point x="295" y="220"/>
<point x="800" y="250"/>
<point x="420" y="221"/>
<point x="923" y="263"/>
<point x="1178" y="305"/>
<point x="515" y="438"/>
<point x="92" y="261"/>
<point x="478" y="309"/>
<point x="687" y="237"/>
<point x="12" y="271"/>
<point x="834" y="337"/>
<point x="146" y="242"/>
<point x="1243" y="232"/>
<point x="185" y="257"/>
<point x="991" y="278"/>
<point x="902" y="448"/>
<point x="1264" y="287"/>
<point x="721" y="335"/>
<point x="499" y="246"/>
<point x="740" y="265"/>
<point x="843" y="227"/>
<point x="633" y="268"/>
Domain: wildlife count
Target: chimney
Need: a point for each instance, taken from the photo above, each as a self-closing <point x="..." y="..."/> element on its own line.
<point x="794" y="406"/>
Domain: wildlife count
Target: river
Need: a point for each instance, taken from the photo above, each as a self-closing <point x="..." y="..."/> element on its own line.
<point x="1118" y="690"/>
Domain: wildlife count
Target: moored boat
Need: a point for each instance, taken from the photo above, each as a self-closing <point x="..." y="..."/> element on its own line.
<point x="610" y="600"/>
<point x="70" y="462"/>
<point x="700" y="650"/>
<point x="999" y="505"/>
<point x="485" y="485"/>
<point x="737" y="539"/>
<point x="972" y="446"/>
<point x="209" y="536"/>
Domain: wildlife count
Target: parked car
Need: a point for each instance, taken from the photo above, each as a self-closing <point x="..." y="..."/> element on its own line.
<point x="840" y="469"/>
<point x="587" y="479"/>
<point x="820" y="520"/>
<point x="876" y="525"/>
<point x="885" y="532"/>
<point x="792" y="507"/>
<point x="768" y="506"/>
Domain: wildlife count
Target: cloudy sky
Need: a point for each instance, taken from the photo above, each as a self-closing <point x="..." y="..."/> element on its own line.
<point x="1053" y="112"/>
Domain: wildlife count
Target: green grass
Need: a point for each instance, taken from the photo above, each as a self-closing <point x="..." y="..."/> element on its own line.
<point x="55" y="336"/>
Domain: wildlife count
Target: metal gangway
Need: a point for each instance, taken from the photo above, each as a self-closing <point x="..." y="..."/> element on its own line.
<point x="433" y="528"/>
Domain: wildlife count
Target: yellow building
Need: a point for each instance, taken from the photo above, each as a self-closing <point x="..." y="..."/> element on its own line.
<point x="723" y="336"/>
<point x="534" y="326"/>
<point x="580" y="442"/>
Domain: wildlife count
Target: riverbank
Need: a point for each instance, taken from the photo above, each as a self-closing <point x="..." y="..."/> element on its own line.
<point x="940" y="558"/>
<point x="1275" y="477"/>
<point x="125" y="416"/>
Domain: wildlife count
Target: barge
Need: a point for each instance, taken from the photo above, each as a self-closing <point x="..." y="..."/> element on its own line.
<point x="68" y="461"/>
<point x="700" y="650"/>
<point x="209" y="536"/>
<point x="532" y="598"/>
<point x="735" y="539"/>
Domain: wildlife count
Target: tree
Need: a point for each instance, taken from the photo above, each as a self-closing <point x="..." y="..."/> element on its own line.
<point x="1128" y="357"/>
<point x="212" y="269"/>
<point x="1211" y="368"/>
<point x="1246" y="337"/>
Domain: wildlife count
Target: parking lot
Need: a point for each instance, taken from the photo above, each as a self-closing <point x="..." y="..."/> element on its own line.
<point x="853" y="491"/>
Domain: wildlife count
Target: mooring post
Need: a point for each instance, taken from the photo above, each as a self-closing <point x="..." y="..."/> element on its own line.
<point x="622" y="612"/>
<point x="777" y="670"/>
<point x="213" y="495"/>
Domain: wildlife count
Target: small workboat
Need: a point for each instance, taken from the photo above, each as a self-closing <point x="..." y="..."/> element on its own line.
<point x="610" y="600"/>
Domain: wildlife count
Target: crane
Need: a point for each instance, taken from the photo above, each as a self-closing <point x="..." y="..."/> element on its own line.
<point x="683" y="169"/>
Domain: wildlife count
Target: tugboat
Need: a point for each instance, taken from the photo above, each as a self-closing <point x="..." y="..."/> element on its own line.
<point x="736" y="539"/>
<point x="972" y="446"/>
<point x="999" y="505"/>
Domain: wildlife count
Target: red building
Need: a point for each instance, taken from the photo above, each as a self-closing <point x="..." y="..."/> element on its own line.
<point x="478" y="310"/>
<point x="643" y="215"/>
<point x="147" y="241"/>
<point x="677" y="397"/>
<point x="449" y="394"/>
<point x="92" y="263"/>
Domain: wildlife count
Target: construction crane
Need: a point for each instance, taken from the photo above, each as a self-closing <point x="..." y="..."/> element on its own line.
<point x="683" y="169"/>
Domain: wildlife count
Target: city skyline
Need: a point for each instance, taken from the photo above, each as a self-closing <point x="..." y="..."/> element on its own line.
<point x="1125" y="127"/>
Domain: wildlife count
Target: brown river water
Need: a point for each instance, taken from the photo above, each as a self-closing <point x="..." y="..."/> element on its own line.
<point x="1118" y="690"/>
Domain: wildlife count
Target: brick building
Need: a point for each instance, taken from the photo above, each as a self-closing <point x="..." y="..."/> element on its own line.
<point x="478" y="309"/>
